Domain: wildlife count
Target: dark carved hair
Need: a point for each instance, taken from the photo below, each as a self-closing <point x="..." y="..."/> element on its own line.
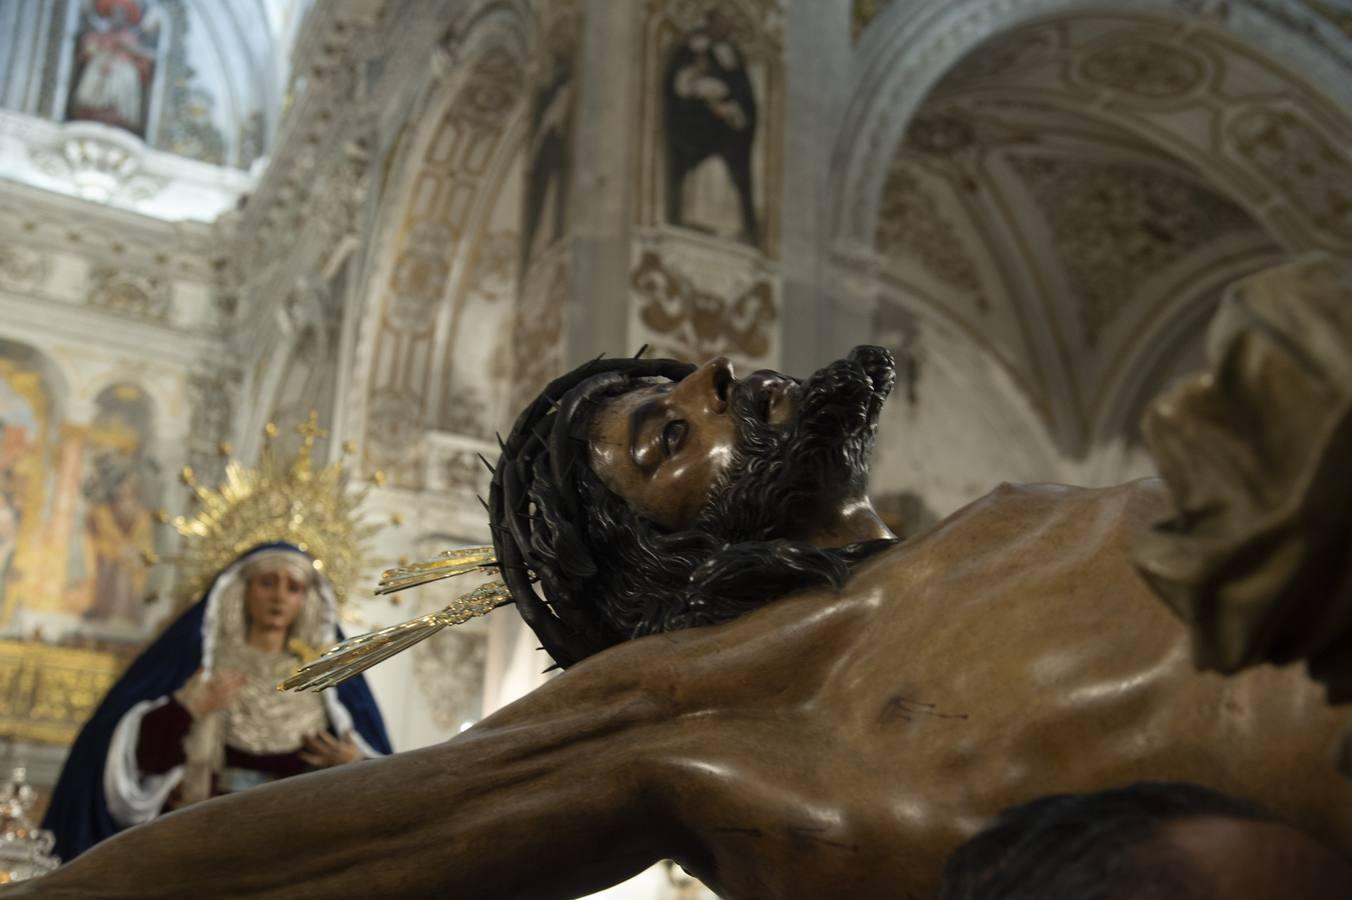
<point x="609" y="575"/>
<point x="1102" y="846"/>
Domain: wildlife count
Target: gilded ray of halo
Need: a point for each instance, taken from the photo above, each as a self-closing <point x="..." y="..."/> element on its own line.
<point x="445" y="565"/>
<point x="279" y="500"/>
<point x="357" y="654"/>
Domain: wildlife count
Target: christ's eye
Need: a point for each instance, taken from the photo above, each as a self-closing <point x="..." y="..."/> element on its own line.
<point x="673" y="435"/>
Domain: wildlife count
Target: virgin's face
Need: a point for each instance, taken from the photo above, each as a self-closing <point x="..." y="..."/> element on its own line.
<point x="274" y="598"/>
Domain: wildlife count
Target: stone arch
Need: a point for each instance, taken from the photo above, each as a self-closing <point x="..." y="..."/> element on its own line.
<point x="1154" y="150"/>
<point x="913" y="44"/>
<point x="441" y="180"/>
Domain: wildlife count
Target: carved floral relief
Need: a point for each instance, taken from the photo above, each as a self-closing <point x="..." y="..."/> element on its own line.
<point x="1115" y="225"/>
<point x="692" y="323"/>
<point x="911" y="224"/>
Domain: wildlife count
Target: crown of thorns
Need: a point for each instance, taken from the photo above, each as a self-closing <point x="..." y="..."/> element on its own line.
<point x="530" y="506"/>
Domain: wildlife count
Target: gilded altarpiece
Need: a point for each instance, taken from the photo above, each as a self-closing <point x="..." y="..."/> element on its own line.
<point x="77" y="541"/>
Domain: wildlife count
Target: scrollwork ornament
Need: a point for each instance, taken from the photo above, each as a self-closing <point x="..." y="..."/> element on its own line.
<point x="695" y="323"/>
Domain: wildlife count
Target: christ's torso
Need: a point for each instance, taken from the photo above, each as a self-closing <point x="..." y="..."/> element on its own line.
<point x="844" y="744"/>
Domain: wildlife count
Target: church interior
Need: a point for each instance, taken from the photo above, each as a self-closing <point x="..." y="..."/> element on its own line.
<point x="371" y="231"/>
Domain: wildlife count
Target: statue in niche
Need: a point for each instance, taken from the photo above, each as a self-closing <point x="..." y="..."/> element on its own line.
<point x="764" y="685"/>
<point x="545" y="217"/>
<point x="711" y="118"/>
<point x="116" y="53"/>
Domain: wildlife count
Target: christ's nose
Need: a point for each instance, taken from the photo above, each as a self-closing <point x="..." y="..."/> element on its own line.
<point x="708" y="385"/>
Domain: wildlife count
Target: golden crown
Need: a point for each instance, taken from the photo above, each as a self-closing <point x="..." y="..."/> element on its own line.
<point x="283" y="501"/>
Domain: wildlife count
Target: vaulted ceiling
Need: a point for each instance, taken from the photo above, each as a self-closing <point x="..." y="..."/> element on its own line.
<point x="1074" y="195"/>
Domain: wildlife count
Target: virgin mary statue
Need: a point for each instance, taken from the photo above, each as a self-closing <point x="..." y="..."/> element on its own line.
<point x="198" y="714"/>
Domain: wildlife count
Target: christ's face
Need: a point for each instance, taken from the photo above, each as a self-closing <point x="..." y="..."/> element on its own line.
<point x="681" y="454"/>
<point x="664" y="446"/>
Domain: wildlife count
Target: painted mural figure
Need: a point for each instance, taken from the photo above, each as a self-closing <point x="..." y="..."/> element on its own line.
<point x="120" y="536"/>
<point x="117" y="528"/>
<point x="711" y="118"/>
<point x="115" y="60"/>
<point x="20" y="425"/>
<point x="198" y="715"/>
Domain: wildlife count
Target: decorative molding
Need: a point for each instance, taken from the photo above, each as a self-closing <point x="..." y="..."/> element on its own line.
<point x="130" y="294"/>
<point x="102" y="163"/>
<point x="1145" y="68"/>
<point x="95" y="162"/>
<point x="686" y="321"/>
<point x="53" y="223"/>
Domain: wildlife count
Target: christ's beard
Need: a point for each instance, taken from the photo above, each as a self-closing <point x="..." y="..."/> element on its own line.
<point x="781" y="474"/>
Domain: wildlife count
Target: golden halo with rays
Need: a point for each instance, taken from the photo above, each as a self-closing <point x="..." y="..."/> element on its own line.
<point x="279" y="500"/>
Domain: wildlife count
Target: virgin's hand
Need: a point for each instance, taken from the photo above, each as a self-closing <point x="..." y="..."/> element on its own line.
<point x="325" y="751"/>
<point x="205" y="693"/>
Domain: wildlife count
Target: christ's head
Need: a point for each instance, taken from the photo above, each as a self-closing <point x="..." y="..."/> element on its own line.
<point x="649" y="495"/>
